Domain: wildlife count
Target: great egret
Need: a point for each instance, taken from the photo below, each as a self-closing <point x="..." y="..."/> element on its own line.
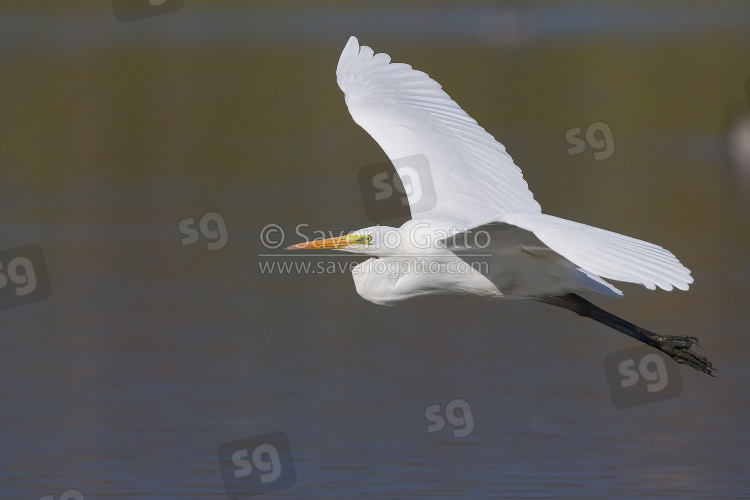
<point x="481" y="195"/>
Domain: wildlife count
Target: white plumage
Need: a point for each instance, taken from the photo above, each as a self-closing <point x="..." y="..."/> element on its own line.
<point x="408" y="113"/>
<point x="479" y="191"/>
<point x="478" y="188"/>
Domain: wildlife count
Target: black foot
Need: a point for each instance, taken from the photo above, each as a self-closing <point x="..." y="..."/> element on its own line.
<point x="678" y="348"/>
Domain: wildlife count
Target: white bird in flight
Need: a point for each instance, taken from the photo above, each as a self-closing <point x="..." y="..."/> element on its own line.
<point x="485" y="235"/>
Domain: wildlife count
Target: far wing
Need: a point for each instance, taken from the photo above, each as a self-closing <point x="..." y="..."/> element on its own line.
<point x="407" y="113"/>
<point x="519" y="263"/>
<point x="601" y="253"/>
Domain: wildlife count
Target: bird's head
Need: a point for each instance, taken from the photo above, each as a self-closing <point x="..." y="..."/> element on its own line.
<point x="375" y="240"/>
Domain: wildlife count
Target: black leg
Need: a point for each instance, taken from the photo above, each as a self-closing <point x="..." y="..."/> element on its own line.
<point x="677" y="347"/>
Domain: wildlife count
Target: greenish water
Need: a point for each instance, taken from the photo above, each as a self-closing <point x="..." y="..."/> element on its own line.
<point x="149" y="354"/>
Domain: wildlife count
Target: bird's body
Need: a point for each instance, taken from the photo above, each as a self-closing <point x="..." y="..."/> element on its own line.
<point x="484" y="236"/>
<point x="413" y="266"/>
<point x="495" y="261"/>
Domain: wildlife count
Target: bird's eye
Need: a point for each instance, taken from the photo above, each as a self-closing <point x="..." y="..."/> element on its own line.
<point x="368" y="238"/>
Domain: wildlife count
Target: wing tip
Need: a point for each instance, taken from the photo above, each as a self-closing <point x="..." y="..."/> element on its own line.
<point x="351" y="50"/>
<point x="681" y="282"/>
<point x="670" y="284"/>
<point x="353" y="42"/>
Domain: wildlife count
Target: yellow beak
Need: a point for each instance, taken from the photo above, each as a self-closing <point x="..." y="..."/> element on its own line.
<point x="329" y="243"/>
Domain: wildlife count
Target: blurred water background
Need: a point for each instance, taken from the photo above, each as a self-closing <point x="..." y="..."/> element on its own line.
<point x="149" y="354"/>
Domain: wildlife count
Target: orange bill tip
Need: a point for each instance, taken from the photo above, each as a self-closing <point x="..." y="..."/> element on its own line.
<point x="327" y="243"/>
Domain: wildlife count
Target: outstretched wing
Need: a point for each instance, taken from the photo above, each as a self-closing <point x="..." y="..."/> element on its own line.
<point x="408" y="114"/>
<point x="596" y="252"/>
